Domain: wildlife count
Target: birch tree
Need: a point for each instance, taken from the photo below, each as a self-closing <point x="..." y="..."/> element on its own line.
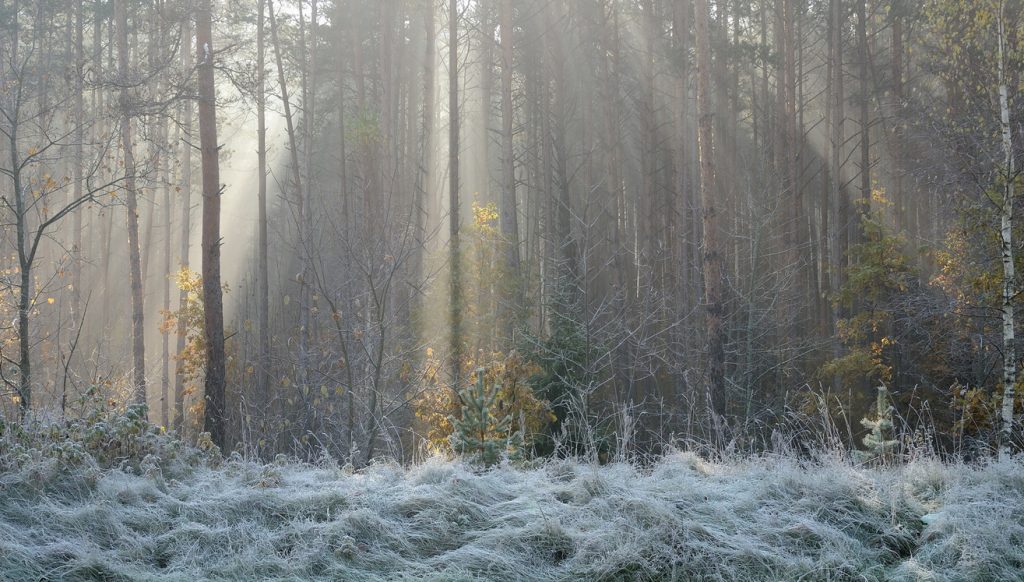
<point x="1007" y="250"/>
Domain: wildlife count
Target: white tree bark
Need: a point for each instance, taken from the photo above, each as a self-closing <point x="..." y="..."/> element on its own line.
<point x="1006" y="239"/>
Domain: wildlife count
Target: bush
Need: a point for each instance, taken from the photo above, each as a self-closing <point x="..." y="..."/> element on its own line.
<point x="104" y="438"/>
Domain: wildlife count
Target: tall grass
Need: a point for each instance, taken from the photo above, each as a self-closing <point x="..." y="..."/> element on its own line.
<point x="148" y="508"/>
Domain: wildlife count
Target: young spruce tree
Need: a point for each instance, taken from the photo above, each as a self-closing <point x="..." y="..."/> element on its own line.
<point x="482" y="435"/>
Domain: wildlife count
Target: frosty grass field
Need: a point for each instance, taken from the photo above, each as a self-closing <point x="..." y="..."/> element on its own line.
<point x="762" y="518"/>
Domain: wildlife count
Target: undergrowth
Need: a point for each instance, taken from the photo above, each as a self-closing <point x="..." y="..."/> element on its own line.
<point x="111" y="498"/>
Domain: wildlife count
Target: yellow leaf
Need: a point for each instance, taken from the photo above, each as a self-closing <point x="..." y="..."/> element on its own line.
<point x="50" y="300"/>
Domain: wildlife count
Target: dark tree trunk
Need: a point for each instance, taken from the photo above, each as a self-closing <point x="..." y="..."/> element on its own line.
<point x="263" y="287"/>
<point x="134" y="258"/>
<point x="712" y="259"/>
<point x="215" y="421"/>
<point x="509" y="207"/>
<point x="454" y="256"/>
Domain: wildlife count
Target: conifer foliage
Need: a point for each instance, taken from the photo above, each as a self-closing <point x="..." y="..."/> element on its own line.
<point x="484" y="433"/>
<point x="877" y="442"/>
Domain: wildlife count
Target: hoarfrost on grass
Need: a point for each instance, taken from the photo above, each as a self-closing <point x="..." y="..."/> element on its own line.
<point x="766" y="518"/>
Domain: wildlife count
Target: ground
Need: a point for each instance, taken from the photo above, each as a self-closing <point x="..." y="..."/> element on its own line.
<point x="763" y="518"/>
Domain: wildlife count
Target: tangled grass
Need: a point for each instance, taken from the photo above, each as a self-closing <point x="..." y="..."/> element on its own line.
<point x="762" y="518"/>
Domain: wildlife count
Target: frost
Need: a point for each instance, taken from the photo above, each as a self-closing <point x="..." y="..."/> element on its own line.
<point x="767" y="518"/>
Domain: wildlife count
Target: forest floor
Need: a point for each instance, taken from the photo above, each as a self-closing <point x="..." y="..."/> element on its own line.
<point x="764" y="518"/>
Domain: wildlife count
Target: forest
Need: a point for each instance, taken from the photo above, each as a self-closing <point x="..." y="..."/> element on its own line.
<point x="488" y="263"/>
<point x="306" y="226"/>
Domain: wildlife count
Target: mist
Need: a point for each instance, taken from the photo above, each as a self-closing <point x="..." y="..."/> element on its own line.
<point x="625" y="224"/>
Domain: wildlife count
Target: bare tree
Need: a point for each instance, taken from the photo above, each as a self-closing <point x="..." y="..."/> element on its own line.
<point x="34" y="142"/>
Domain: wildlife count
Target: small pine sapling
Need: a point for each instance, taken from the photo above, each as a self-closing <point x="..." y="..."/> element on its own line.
<point x="482" y="435"/>
<point x="879" y="445"/>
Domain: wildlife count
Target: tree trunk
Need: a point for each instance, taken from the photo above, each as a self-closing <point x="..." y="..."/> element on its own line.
<point x="797" y="227"/>
<point x="134" y="258"/>
<point x="865" y="121"/>
<point x="25" y="271"/>
<point x="293" y="146"/>
<point x="293" y="149"/>
<point x="838" y="192"/>
<point x="509" y="208"/>
<point x="186" y="226"/>
<point x="79" y="137"/>
<point x="263" y="288"/>
<point x="308" y="59"/>
<point x="165" y="347"/>
<point x="342" y="149"/>
<point x="424" y="177"/>
<point x="213" y="301"/>
<point x="712" y="259"/>
<point x="454" y="257"/>
<point x="1007" y="255"/>
<point x="902" y="204"/>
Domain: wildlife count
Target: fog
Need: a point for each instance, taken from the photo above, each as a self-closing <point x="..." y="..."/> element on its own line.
<point x="687" y="221"/>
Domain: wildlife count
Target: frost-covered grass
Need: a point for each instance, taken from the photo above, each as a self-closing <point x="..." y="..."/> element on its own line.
<point x="765" y="518"/>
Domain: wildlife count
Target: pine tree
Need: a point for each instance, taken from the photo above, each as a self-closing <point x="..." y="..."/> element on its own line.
<point x="481" y="435"/>
<point x="878" y="443"/>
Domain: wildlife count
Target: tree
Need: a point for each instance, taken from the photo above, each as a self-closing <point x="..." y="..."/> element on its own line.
<point x="186" y="220"/>
<point x="712" y="258"/>
<point x="263" y="285"/>
<point x="32" y="198"/>
<point x="481" y="432"/>
<point x="837" y="100"/>
<point x="424" y="175"/>
<point x="509" y="208"/>
<point x="132" y="206"/>
<point x="164" y="152"/>
<point x="79" y="137"/>
<point x="864" y="102"/>
<point x="878" y="441"/>
<point x="213" y="301"/>
<point x="305" y="203"/>
<point x="1006" y="247"/>
<point x="454" y="256"/>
